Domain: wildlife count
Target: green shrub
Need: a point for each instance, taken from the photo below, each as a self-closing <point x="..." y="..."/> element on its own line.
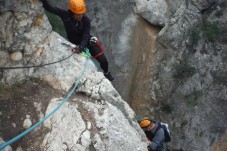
<point x="183" y="70"/>
<point x="167" y="108"/>
<point x="184" y="123"/>
<point x="56" y="24"/>
<point x="219" y="13"/>
<point x="211" y="31"/>
<point x="194" y="34"/>
<point x="192" y="98"/>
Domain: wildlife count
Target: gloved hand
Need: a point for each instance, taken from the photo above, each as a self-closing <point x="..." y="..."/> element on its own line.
<point x="77" y="49"/>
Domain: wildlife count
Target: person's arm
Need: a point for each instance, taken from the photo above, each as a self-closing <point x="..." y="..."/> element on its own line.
<point x="158" y="139"/>
<point x="54" y="10"/>
<point x="86" y="32"/>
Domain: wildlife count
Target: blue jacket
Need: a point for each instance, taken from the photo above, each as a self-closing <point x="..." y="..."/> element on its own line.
<point x="157" y="138"/>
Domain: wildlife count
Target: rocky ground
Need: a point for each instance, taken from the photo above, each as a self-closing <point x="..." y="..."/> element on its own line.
<point x="16" y="102"/>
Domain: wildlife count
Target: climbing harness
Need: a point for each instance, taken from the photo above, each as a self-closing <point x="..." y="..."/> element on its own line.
<point x="99" y="54"/>
<point x="51" y="113"/>
<point x="33" y="66"/>
<point x="94" y="40"/>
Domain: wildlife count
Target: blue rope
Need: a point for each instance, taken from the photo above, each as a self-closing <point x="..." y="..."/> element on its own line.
<point x="47" y="116"/>
<point x="84" y="54"/>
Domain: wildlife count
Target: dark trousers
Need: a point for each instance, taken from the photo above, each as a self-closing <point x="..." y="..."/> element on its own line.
<point x="95" y="51"/>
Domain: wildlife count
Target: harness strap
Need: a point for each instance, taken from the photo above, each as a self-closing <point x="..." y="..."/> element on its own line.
<point x="99" y="54"/>
<point x="99" y="44"/>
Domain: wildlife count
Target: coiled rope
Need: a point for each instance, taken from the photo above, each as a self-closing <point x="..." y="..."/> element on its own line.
<point x="32" y="66"/>
<point x="51" y="113"/>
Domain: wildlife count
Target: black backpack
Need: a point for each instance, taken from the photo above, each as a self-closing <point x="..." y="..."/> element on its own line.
<point x="165" y="127"/>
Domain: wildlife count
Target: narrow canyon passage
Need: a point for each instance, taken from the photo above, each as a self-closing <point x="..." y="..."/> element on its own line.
<point x="139" y="87"/>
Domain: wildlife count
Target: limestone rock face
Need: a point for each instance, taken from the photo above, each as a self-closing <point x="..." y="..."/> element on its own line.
<point x="168" y="59"/>
<point x="89" y="125"/>
<point x="157" y="12"/>
<point x="177" y="68"/>
<point x="186" y="75"/>
<point x="102" y="120"/>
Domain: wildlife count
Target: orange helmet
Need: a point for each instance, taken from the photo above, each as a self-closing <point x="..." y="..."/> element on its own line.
<point x="145" y="123"/>
<point x="77" y="6"/>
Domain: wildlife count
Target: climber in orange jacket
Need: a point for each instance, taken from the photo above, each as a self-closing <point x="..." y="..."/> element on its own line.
<point x="77" y="26"/>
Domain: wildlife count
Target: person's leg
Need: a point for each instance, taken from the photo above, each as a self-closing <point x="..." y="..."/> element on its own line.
<point x="103" y="62"/>
<point x="99" y="55"/>
<point x="104" y="65"/>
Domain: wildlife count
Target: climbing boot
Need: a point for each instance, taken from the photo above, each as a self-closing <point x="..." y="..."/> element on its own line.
<point x="109" y="76"/>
